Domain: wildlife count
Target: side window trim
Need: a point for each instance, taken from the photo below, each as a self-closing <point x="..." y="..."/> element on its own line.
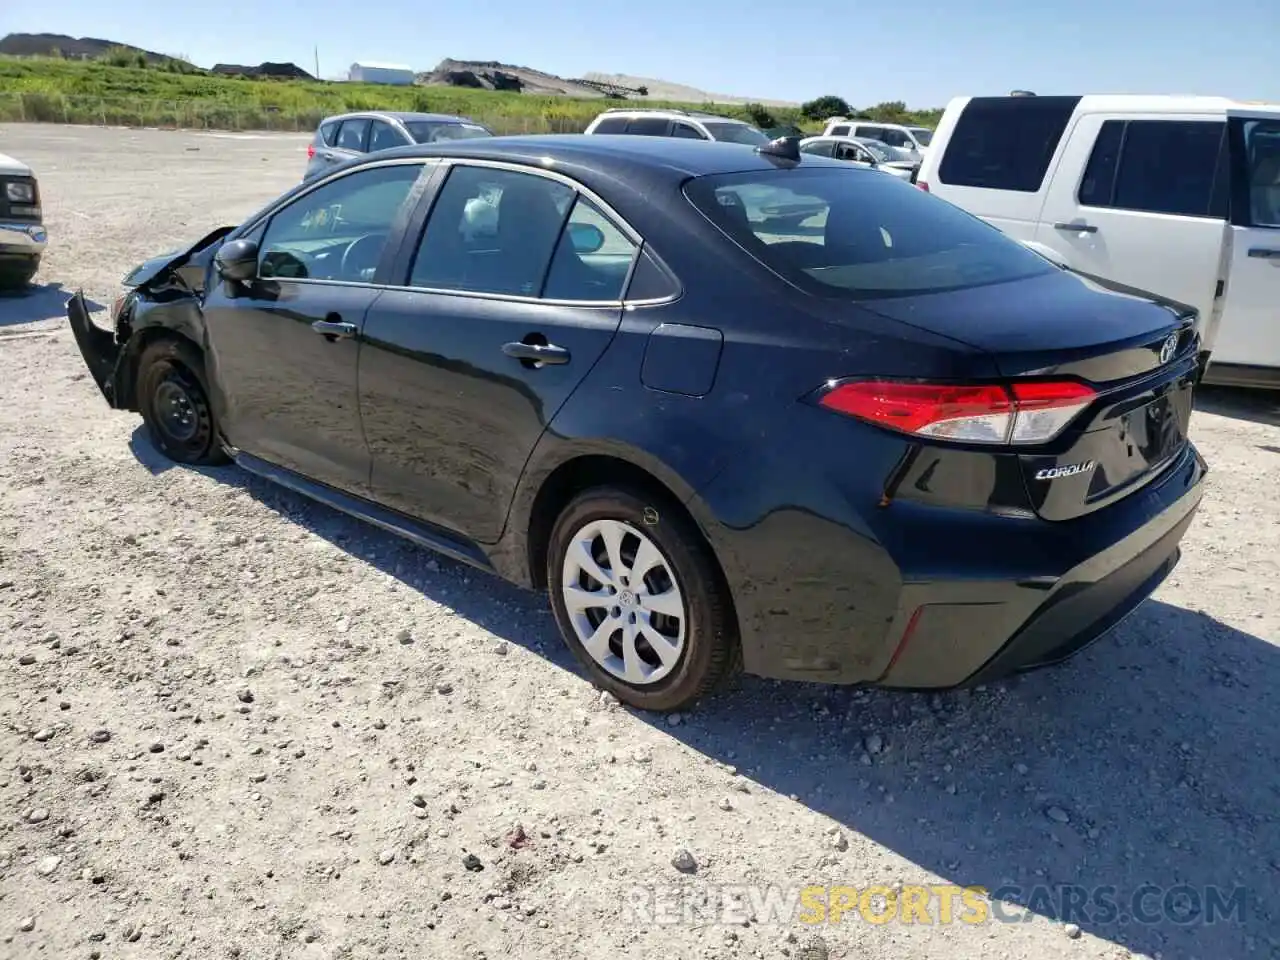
<point x="400" y="274"/>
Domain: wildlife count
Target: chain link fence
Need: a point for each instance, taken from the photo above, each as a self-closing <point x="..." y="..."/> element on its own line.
<point x="217" y="115"/>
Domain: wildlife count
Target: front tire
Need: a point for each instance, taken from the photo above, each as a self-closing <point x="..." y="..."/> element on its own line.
<point x="16" y="275"/>
<point x="639" y="599"/>
<point x="174" y="401"/>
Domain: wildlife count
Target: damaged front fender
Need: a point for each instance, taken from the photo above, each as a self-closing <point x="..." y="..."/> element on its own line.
<point x="98" y="347"/>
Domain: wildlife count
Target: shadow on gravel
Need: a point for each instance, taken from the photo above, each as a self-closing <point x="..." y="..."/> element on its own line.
<point x="1259" y="406"/>
<point x="1122" y="791"/>
<point x="40" y="302"/>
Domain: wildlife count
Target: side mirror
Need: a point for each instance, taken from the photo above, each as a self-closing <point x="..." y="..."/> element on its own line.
<point x="586" y="238"/>
<point x="237" y="260"/>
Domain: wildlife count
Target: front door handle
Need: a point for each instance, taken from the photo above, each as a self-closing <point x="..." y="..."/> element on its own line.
<point x="1264" y="253"/>
<point x="1076" y="227"/>
<point x="536" y="352"/>
<point x="333" y="328"/>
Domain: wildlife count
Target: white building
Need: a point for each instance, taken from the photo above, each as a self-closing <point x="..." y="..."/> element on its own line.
<point x="366" y="71"/>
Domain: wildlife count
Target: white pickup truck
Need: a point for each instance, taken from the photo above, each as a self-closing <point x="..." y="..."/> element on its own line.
<point x="1179" y="196"/>
<point x="22" y="234"/>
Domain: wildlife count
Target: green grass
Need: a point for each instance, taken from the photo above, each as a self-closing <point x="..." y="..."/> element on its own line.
<point x="101" y="92"/>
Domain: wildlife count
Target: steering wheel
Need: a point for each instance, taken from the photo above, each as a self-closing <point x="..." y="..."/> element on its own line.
<point x="368" y="247"/>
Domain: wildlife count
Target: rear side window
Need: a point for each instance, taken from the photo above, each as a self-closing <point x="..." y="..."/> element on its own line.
<point x="611" y="125"/>
<point x="353" y="134"/>
<point x="1177" y="167"/>
<point x="841" y="131"/>
<point x="687" y="131"/>
<point x="1005" y="143"/>
<point x="383" y="136"/>
<point x="820" y="149"/>
<point x="327" y="131"/>
<point x="855" y="234"/>
<point x="649" y="126"/>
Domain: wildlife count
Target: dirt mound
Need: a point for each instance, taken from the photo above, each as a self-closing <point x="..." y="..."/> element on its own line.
<point x="492" y="75"/>
<point x="280" y="71"/>
<point x="71" y="48"/>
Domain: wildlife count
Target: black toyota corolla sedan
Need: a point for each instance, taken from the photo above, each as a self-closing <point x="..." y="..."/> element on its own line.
<point x="730" y="406"/>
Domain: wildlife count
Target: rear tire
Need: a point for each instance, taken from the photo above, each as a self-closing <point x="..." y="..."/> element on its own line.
<point x="657" y="638"/>
<point x="173" y="398"/>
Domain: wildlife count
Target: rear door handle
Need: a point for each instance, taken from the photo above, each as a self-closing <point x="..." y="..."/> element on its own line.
<point x="1264" y="253"/>
<point x="536" y="352"/>
<point x="1076" y="227"/>
<point x="334" y="329"/>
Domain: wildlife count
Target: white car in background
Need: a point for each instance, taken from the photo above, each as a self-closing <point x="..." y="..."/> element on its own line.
<point x="864" y="153"/>
<point x="911" y="140"/>
<point x="22" y="234"/>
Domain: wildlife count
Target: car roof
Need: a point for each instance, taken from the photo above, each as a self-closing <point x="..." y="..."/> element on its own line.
<point x="669" y="112"/>
<point x="402" y="116"/>
<point x="1151" y="103"/>
<point x="608" y="154"/>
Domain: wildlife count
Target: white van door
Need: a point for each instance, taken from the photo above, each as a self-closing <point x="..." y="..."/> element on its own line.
<point x="1142" y="200"/>
<point x="1250" y="331"/>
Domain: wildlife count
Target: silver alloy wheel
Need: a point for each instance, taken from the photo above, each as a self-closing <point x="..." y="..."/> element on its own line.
<point x="624" y="602"/>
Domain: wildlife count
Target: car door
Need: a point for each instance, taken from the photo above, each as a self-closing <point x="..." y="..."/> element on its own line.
<point x="1142" y="200"/>
<point x="498" y="319"/>
<point x="1249" y="334"/>
<point x="283" y="347"/>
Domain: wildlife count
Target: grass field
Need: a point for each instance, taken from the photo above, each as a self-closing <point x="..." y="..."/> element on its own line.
<point x="96" y="92"/>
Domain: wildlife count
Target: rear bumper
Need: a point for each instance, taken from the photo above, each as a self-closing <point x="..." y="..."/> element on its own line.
<point x="958" y="634"/>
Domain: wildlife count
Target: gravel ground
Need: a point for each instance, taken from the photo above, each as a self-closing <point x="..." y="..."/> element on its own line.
<point x="237" y="724"/>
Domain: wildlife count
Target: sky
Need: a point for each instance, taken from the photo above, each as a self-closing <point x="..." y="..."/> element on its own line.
<point x="922" y="52"/>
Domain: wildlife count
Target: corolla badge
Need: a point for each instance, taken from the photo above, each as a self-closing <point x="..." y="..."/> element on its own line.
<point x="1168" y="348"/>
<point x="1066" y="470"/>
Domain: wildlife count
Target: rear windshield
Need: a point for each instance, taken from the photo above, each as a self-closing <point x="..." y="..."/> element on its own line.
<point x="427" y="131"/>
<point x="735" y="132"/>
<point x="859" y="234"/>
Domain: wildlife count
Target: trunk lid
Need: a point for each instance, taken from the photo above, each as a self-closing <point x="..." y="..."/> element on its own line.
<point x="1139" y="354"/>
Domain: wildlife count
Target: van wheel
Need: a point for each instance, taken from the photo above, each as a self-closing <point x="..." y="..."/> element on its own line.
<point x="639" y="599"/>
<point x="174" y="402"/>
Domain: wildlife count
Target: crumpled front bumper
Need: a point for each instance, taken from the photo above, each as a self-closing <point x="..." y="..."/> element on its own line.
<point x="98" y="347"/>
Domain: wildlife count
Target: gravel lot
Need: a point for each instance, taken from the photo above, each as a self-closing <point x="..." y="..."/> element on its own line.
<point x="237" y="724"/>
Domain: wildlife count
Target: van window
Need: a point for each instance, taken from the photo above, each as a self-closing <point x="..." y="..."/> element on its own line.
<point x="1262" y="148"/>
<point x="849" y="233"/>
<point x="840" y="131"/>
<point x="872" y="133"/>
<point x="1159" y="166"/>
<point x="1005" y="143"/>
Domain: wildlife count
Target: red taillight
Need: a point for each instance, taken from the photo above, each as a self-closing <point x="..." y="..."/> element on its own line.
<point x="311" y="151"/>
<point x="922" y="185"/>
<point x="1020" y="413"/>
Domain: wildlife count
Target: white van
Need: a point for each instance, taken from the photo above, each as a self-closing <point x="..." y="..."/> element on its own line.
<point x="1179" y="196"/>
<point x="912" y="141"/>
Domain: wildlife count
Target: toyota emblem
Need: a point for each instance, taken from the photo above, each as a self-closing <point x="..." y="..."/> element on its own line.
<point x="1168" y="348"/>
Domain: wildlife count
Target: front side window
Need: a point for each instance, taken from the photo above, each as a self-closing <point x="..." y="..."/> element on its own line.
<point x="353" y="134"/>
<point x="1005" y="143"/>
<point x="427" y="131"/>
<point x="1262" y="153"/>
<point x="338" y="231"/>
<point x="735" y="133"/>
<point x="821" y="148"/>
<point x="852" y="234"/>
